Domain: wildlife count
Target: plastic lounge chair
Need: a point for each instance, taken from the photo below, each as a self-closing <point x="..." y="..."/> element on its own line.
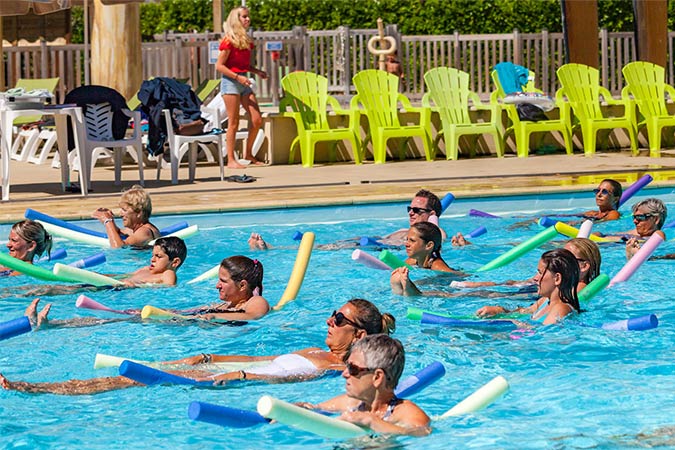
<point x="581" y="86"/>
<point x="206" y="88"/>
<point x="646" y="84"/>
<point x="448" y="89"/>
<point x="306" y="95"/>
<point x="377" y="94"/>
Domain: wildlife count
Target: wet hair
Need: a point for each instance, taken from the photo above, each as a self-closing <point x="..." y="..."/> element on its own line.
<point x="32" y="231"/>
<point x="244" y="268"/>
<point x="174" y="247"/>
<point x="370" y="319"/>
<point x="562" y="261"/>
<point x="429" y="232"/>
<point x="234" y="31"/>
<point x="589" y="252"/>
<point x="138" y="200"/>
<point x="617" y="190"/>
<point x="653" y="206"/>
<point x="433" y="202"/>
<point x="382" y="352"/>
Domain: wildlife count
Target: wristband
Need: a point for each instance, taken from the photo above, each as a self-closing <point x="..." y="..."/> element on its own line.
<point x="242" y="375"/>
<point x="106" y="221"/>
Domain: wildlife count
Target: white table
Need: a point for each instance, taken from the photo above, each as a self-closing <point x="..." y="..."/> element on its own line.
<point x="61" y="115"/>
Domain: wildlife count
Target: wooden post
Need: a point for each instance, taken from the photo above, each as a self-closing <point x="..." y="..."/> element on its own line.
<point x="116" y="59"/>
<point x="651" y="30"/>
<point x="580" y="27"/>
<point x="217" y="16"/>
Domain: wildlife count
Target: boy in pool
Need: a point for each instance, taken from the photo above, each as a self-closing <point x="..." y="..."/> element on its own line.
<point x="168" y="255"/>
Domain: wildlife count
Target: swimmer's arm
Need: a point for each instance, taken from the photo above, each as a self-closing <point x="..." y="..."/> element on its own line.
<point x="138" y="238"/>
<point x="206" y="358"/>
<point x="408" y="419"/>
<point x="106" y="217"/>
<point x="168" y="278"/>
<point x="487" y="311"/>
<point x="256" y="308"/>
<point x="336" y="404"/>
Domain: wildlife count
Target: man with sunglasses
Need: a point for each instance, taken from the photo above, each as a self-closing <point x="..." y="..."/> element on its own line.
<point x="371" y="374"/>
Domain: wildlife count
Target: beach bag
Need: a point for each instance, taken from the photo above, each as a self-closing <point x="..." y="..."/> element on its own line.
<point x="530" y="112"/>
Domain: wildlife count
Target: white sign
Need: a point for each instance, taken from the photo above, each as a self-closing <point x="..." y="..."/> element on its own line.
<point x="274" y="46"/>
<point x="213" y="51"/>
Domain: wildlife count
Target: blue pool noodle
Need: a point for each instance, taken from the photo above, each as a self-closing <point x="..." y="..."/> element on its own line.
<point x="450" y="322"/>
<point x="547" y="222"/>
<point x="481" y="230"/>
<point x="633" y="324"/>
<point x="367" y="241"/>
<point x="297" y="236"/>
<point x="477" y="213"/>
<point x="89" y="261"/>
<point x="149" y="376"/>
<point x="634" y="188"/>
<point x="170" y="229"/>
<point x="446" y="201"/>
<point x="415" y="383"/>
<point x="60" y="253"/>
<point x="14" y="327"/>
<point x="224" y="415"/>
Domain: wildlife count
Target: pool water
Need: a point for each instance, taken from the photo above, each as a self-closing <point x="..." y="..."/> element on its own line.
<point x="572" y="386"/>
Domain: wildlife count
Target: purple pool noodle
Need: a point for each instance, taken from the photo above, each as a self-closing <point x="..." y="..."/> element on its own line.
<point x="476" y="213"/>
<point x="14" y="327"/>
<point x="634" y="188"/>
<point x="224" y="415"/>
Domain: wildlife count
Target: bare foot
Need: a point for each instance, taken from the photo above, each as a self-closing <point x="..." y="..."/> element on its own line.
<point x="235" y="165"/>
<point x="42" y="318"/>
<point x="254" y="162"/>
<point x="396" y="282"/>
<point x="256" y="242"/>
<point x="31" y="312"/>
<point x="4" y="383"/>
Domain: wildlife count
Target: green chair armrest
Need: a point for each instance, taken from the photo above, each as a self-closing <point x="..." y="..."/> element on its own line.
<point x="495" y="97"/>
<point x="355" y="102"/>
<point x="626" y="93"/>
<point x="405" y="101"/>
<point x="670" y="91"/>
<point x="426" y="100"/>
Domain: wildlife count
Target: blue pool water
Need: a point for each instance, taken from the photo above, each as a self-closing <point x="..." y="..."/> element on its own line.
<point x="572" y="386"/>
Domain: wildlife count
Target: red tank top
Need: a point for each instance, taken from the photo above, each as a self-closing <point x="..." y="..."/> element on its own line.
<point x="239" y="60"/>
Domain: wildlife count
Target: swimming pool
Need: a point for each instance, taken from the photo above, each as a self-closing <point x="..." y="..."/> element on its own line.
<point x="571" y="386"/>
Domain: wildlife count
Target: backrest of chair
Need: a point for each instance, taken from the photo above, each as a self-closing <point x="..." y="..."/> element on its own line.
<point x="378" y="93"/>
<point x="449" y="89"/>
<point x="205" y="89"/>
<point x="98" y="119"/>
<point x="529" y="87"/>
<point x="29" y="84"/>
<point x="581" y="85"/>
<point x="84" y="96"/>
<point x="307" y="94"/>
<point x="646" y="81"/>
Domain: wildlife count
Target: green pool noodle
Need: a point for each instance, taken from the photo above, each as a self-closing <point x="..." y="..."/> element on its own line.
<point x="519" y="250"/>
<point x="592" y="288"/>
<point x="392" y="260"/>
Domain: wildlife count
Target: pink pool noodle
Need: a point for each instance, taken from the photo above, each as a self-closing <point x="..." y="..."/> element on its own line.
<point x="85" y="302"/>
<point x="369" y="260"/>
<point x="636" y="261"/>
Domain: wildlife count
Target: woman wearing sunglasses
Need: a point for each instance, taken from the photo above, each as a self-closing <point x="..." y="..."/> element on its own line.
<point x="371" y="374"/>
<point x="607" y="197"/>
<point x="354" y="320"/>
<point x="649" y="215"/>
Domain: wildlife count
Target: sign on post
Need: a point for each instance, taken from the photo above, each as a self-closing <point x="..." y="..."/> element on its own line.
<point x="274" y="46"/>
<point x="213" y="51"/>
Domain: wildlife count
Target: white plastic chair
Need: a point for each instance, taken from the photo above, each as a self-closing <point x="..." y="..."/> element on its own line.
<point x="179" y="145"/>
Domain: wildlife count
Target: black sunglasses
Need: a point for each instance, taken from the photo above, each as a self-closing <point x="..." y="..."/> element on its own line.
<point x="642" y="217"/>
<point x="341" y="320"/>
<point x="356" y="371"/>
<point x="417" y="210"/>
<point x="602" y="191"/>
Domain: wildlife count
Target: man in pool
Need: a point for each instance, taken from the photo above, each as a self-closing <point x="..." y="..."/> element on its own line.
<point x="424" y="205"/>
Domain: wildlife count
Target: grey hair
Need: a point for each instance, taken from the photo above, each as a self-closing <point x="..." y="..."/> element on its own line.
<point x="654" y="206"/>
<point x="381" y="351"/>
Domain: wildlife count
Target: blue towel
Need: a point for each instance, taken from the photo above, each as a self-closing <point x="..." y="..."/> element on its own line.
<point x="512" y="77"/>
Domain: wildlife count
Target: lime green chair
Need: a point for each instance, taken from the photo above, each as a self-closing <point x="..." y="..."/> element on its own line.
<point x="522" y="129"/>
<point x="647" y="86"/>
<point x="27" y="84"/>
<point x="449" y="91"/>
<point x="581" y="86"/>
<point x="206" y="88"/>
<point x="306" y="95"/>
<point x="378" y="96"/>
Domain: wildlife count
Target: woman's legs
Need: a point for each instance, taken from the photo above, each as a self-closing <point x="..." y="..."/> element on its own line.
<point x="250" y="104"/>
<point x="232" y="107"/>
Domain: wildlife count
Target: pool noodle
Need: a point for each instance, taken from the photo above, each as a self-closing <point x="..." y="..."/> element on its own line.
<point x="57" y="254"/>
<point x="89" y="261"/>
<point x="415" y="383"/>
<point x="297" y="236"/>
<point x="519" y="250"/>
<point x="585" y="229"/>
<point x="636" y="261"/>
<point x="634" y="188"/>
<point x="481" y="230"/>
<point x="642" y="323"/>
<point x="546" y="222"/>
<point x="367" y="241"/>
<point x="30" y="269"/>
<point x="368" y="260"/>
<point x="14" y="327"/>
<point x="101" y="361"/>
<point x="299" y="270"/>
<point x="152" y="312"/>
<point x="151" y="377"/>
<point x="670" y="224"/>
<point x="307" y="420"/>
<point x="416" y="314"/>
<point x="211" y="273"/>
<point x="477" y="213"/>
<point x="86" y="302"/>
<point x="450" y="322"/>
<point x="571" y="232"/>
<point x="75" y="236"/>
<point x="446" y="201"/>
<point x="224" y="415"/>
<point x="85" y="276"/>
<point x="481" y="398"/>
<point x="599" y="283"/>
<point x="166" y="231"/>
<point x="182" y="233"/>
<point x="391" y="260"/>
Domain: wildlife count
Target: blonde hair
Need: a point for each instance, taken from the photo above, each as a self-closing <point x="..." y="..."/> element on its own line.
<point x="234" y="31"/>
<point x="31" y="231"/>
<point x="138" y="200"/>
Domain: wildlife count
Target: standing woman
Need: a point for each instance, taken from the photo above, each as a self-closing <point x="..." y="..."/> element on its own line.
<point x="234" y="62"/>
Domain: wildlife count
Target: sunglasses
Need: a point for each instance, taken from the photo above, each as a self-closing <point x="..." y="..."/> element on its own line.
<point x="356" y="371"/>
<point x="642" y="217"/>
<point x="417" y="210"/>
<point x="604" y="192"/>
<point x="341" y="320"/>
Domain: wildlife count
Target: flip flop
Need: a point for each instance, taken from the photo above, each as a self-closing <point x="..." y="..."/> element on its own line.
<point x="241" y="178"/>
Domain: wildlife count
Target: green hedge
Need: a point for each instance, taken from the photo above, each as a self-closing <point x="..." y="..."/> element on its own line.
<point x="413" y="17"/>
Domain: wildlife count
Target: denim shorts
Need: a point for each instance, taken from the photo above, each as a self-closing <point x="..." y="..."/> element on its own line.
<point x="230" y="86"/>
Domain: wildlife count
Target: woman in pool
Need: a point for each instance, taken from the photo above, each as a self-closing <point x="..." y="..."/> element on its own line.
<point x="649" y="216"/>
<point x="354" y="320"/>
<point x="607" y="197"/>
<point x="423" y="247"/>
<point x="234" y="62"/>
<point x="135" y="210"/>
<point x="557" y="279"/>
<point x="27" y="239"/>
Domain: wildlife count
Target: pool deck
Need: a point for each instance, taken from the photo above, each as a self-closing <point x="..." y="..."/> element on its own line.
<point x="281" y="186"/>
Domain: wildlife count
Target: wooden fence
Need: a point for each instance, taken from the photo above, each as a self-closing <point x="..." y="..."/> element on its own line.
<point x="339" y="54"/>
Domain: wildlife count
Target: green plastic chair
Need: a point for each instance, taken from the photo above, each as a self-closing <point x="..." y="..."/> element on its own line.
<point x="646" y="84"/>
<point x="206" y="88"/>
<point x="306" y="95"/>
<point x="29" y="84"/>
<point x="581" y="86"/>
<point x="448" y="89"/>
<point x="522" y="129"/>
<point x="378" y="96"/>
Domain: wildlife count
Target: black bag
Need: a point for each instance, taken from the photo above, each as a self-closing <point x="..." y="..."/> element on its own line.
<point x="185" y="126"/>
<point x="530" y="112"/>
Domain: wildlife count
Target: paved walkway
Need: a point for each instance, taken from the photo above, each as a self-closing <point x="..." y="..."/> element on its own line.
<point x="280" y="186"/>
